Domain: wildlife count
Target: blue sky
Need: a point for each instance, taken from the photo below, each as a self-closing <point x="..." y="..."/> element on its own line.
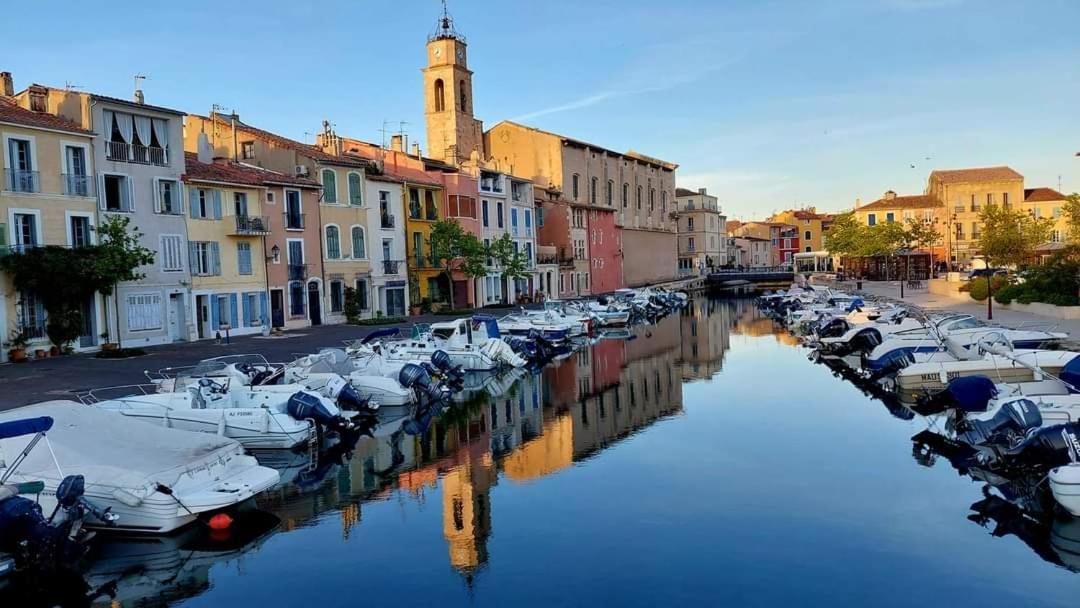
<point x="769" y="104"/>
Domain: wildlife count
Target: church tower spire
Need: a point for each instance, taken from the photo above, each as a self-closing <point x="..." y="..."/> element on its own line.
<point x="453" y="133"/>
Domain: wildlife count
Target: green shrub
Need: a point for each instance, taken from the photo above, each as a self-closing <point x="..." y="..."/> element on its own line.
<point x="1008" y="293"/>
<point x="120" y="353"/>
<point x="977" y="287"/>
<point x="380" y="321"/>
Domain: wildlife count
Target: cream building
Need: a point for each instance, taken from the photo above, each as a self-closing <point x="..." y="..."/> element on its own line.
<point x="702" y="228"/>
<point x="47" y="198"/>
<point x="964" y="192"/>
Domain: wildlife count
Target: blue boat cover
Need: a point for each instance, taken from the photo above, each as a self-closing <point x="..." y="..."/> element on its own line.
<point x="972" y="393"/>
<point x="380" y="333"/>
<point x="26" y="426"/>
<point x="1071" y="373"/>
<point x="856" y="304"/>
<point x="490" y="324"/>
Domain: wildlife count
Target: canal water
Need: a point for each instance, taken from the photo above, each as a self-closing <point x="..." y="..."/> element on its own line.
<point x="706" y="461"/>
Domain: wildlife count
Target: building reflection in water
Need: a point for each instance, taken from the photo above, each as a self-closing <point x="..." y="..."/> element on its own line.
<point x="535" y="427"/>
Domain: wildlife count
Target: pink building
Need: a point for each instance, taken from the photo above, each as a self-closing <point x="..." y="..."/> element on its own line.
<point x="605" y="251"/>
<point x="460" y="193"/>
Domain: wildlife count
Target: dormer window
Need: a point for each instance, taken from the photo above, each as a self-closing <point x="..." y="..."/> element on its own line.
<point x="39" y="97"/>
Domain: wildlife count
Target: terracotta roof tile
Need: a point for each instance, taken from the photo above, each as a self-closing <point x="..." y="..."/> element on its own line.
<point x="684" y="192"/>
<point x="977" y="174"/>
<point x="313" y="152"/>
<point x="229" y="172"/>
<point x="915" y="201"/>
<point x="12" y="112"/>
<point x="1037" y="195"/>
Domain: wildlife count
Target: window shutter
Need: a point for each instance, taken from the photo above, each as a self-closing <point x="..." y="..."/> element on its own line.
<point x="215" y="318"/>
<point x="263" y="308"/>
<point x="215" y="258"/>
<point x="217" y="204"/>
<point x="193" y="256"/>
<point x="129" y="204"/>
<point x="246" y="303"/>
<point x="101" y="191"/>
<point x="157" y="196"/>
<point x="178" y="198"/>
<point x="232" y="311"/>
<point x="193" y="201"/>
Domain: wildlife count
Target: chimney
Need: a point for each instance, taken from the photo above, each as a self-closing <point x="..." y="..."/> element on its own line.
<point x="397" y="143"/>
<point x="139" y="97"/>
<point x="7" y="84"/>
<point x="701" y="190"/>
<point x="858" y="202"/>
<point x="205" y="150"/>
<point x="416" y="150"/>
<point x="890" y="195"/>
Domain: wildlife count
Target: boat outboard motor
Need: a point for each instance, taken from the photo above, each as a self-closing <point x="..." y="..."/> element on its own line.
<point x="1046" y="448"/>
<point x="349" y="399"/>
<point x="308" y="406"/>
<point x="414" y="377"/>
<point x="833" y="328"/>
<point x="1006" y="428"/>
<point x="442" y="362"/>
<point x="864" y="341"/>
<point x="967" y="394"/>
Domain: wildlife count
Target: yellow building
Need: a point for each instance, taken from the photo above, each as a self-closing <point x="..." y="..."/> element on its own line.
<point x="48" y="197"/>
<point x="892" y="207"/>
<point x="964" y="192"/>
<point x="809" y="224"/>
<point x="422" y="210"/>
<point x="1047" y="202"/>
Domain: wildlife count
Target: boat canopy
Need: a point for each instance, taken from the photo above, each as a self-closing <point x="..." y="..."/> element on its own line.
<point x="26" y="426"/>
<point x="489" y="323"/>
<point x="1070" y="374"/>
<point x="380" y="333"/>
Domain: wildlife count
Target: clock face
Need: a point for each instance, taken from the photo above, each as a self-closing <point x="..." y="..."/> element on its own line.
<point x="437" y="51"/>
<point x="461" y="53"/>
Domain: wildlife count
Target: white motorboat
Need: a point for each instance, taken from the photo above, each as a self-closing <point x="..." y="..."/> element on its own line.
<point x="609" y="314"/>
<point x="1065" y="486"/>
<point x="522" y="325"/>
<point x="365" y="368"/>
<point x="153" y="479"/>
<point x="473" y="344"/>
<point x="577" y="326"/>
<point x="1020" y="366"/>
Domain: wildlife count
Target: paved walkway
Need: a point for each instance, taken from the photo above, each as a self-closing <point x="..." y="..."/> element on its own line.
<point x="930" y="301"/>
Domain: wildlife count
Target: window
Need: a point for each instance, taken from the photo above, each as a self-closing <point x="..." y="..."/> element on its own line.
<point x="639" y="192"/>
<point x="871" y="219"/>
<point x="356" y="196"/>
<point x="663" y="201"/>
<point x="26" y="230"/>
<point x="461" y="93"/>
<point x="1038" y="212"/>
<point x="76" y="181"/>
<point x="414" y="203"/>
<point x="689" y="223"/>
<point x="989" y="198"/>
<point x="528" y="222"/>
<point x="499" y="214"/>
<point x="296" y="299"/>
<point x="539" y="217"/>
<point x="418" y="248"/>
<point x="592" y="191"/>
<point x="337" y="296"/>
<point x="1056" y="212"/>
<point x="1055" y="236"/>
<point x="890" y="217"/>
<point x="806" y="235"/>
<point x="461" y="206"/>
<point x="1005" y="199"/>
<point x="484" y="212"/>
<point x="652" y="198"/>
<point x="23" y="177"/>
<point x="247" y="149"/>
<point x="430" y="209"/>
<point x="329" y="184"/>
<point x="487" y="248"/>
<point x="363" y="300"/>
<point x="807" y="249"/>
<point x="514" y="221"/>
<point x="690" y="243"/>
<point x="80" y="231"/>
<point x="144" y="311"/>
<point x="31" y="314"/>
<point x="294" y="216"/>
<point x="333" y="243"/>
<point x="574" y="185"/>
<point x="270" y="197"/>
<point x="579" y="218"/>
<point x="359" y="248"/>
<point x="529" y="254"/>
<point x="117" y="196"/>
<point x="205" y="204"/>
<point x="171" y="258"/>
<point x="625" y="194"/>
<point x="205" y="258"/>
<point x="240" y="204"/>
<point x="440" y="95"/>
<point x="386" y="218"/>
<point x="243" y="258"/>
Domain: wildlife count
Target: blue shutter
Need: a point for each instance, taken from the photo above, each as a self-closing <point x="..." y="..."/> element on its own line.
<point x="193" y="255"/>
<point x="193" y="201"/>
<point x="215" y="258"/>
<point x="264" y="311"/>
<point x="246" y="303"/>
<point x="217" y="204"/>
<point x="232" y="311"/>
<point x="215" y="318"/>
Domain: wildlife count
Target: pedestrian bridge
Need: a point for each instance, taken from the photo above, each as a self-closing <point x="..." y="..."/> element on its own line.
<point x="750" y="280"/>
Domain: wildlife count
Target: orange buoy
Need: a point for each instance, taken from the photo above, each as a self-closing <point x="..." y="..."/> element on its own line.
<point x="221" y="521"/>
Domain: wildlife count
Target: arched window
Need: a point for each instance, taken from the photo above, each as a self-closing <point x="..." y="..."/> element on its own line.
<point x="440" y="103"/>
<point x="625" y="194"/>
<point x="329" y="185"/>
<point x="356" y="196"/>
<point x="806" y="235"/>
<point x="639" y="191"/>
<point x="461" y="92"/>
<point x="652" y="199"/>
<point x="333" y="243"/>
<point x="574" y="185"/>
<point x="359" y="248"/>
<point x="592" y="191"/>
<point x="610" y="193"/>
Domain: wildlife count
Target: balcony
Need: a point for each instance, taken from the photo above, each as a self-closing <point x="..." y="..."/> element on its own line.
<point x="78" y="185"/>
<point x="137" y="154"/>
<point x="22" y="181"/>
<point x="294" y="221"/>
<point x="392" y="266"/>
<point x="387" y="220"/>
<point x="252" y="225"/>
<point x="298" y="272"/>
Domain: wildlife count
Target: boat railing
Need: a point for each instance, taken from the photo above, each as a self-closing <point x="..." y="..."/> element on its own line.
<point x="90" y="396"/>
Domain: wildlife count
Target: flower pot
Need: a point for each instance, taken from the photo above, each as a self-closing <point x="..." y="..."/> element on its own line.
<point x="54" y="351"/>
<point x="109" y="346"/>
<point x="40" y="353"/>
<point x="18" y="355"/>
<point x="414" y="310"/>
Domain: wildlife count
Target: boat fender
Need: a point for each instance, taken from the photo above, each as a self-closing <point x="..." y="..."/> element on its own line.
<point x="127" y="498"/>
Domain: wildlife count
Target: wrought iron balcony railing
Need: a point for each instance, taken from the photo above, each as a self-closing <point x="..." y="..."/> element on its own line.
<point x="22" y="181"/>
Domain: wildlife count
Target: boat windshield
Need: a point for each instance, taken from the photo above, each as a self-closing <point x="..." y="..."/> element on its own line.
<point x="967" y="323"/>
<point x="443" y="332"/>
<point x="420" y="330"/>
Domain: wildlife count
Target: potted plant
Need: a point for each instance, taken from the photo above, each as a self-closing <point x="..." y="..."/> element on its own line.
<point x="17" y="345"/>
<point x="425" y="305"/>
<point x="40" y="353"/>
<point x="105" y="343"/>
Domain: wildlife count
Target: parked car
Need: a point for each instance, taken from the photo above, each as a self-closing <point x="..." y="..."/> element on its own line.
<point x="980" y="273"/>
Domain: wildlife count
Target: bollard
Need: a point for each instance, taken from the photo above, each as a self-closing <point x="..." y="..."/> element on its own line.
<point x="858" y="285"/>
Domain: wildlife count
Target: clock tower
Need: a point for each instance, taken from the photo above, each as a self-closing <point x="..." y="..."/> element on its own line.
<point x="453" y="134"/>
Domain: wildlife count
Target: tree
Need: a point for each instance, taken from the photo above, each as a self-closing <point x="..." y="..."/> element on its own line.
<point x="845" y="235"/>
<point x="513" y="263"/>
<point x="1009" y="237"/>
<point x="452" y="248"/>
<point x="119" y="255"/>
<point x="1072" y="217"/>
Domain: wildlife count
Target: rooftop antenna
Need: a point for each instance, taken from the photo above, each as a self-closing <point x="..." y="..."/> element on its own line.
<point x="385" y="122"/>
<point x="138" y="90"/>
<point x="1059" y="182"/>
<point x="68" y="86"/>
